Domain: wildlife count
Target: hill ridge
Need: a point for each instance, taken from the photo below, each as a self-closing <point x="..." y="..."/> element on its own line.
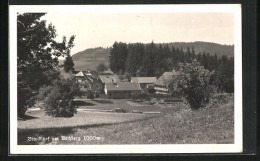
<point x="91" y="57"/>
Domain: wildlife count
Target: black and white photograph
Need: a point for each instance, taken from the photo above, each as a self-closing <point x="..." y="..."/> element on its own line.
<point x="125" y="79"/>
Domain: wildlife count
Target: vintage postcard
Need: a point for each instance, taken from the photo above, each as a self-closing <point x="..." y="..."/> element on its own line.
<point x="125" y="79"/>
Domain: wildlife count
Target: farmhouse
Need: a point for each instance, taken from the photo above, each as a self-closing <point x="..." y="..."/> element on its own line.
<point x="144" y="81"/>
<point x="163" y="82"/>
<point x="87" y="79"/>
<point x="121" y="89"/>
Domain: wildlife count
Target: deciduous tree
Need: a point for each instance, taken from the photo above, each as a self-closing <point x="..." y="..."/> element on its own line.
<point x="58" y="98"/>
<point x="37" y="53"/>
<point x="193" y="82"/>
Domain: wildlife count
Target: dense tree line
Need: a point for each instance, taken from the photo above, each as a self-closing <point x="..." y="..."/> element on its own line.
<point x="138" y="59"/>
<point x="200" y="46"/>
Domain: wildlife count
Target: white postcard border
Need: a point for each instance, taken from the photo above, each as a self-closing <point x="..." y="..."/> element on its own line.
<point x="237" y="147"/>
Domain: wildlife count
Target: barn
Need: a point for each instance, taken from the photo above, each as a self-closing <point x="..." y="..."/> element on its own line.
<point x="121" y="90"/>
<point x="163" y="82"/>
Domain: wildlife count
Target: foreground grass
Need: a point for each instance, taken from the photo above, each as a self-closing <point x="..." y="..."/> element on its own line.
<point x="79" y="119"/>
<point x="203" y="126"/>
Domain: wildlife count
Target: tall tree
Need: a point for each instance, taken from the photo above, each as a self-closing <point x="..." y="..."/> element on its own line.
<point x="118" y="55"/>
<point x="149" y="61"/>
<point x="68" y="64"/>
<point x="131" y="61"/>
<point x="37" y="53"/>
<point x="225" y="75"/>
<point x="113" y="57"/>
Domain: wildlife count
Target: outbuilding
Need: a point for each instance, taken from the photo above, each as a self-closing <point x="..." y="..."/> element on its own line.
<point x="144" y="81"/>
<point x="163" y="82"/>
<point x="121" y="90"/>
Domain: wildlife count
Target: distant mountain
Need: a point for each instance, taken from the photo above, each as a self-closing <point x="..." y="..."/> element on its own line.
<point x="208" y="47"/>
<point x="91" y="58"/>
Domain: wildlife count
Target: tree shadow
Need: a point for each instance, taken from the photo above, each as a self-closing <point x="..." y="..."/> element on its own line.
<point x="83" y="103"/>
<point x="103" y="101"/>
<point x="26" y="117"/>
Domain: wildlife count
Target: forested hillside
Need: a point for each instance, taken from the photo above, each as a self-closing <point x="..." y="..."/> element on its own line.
<point x="208" y="47"/>
<point x="100" y="54"/>
<point x="152" y="60"/>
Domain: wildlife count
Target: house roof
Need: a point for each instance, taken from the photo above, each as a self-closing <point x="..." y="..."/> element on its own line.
<point x="109" y="78"/>
<point x="123" y="86"/>
<point x="87" y="75"/>
<point x="144" y="79"/>
<point x="79" y="74"/>
<point x="166" y="78"/>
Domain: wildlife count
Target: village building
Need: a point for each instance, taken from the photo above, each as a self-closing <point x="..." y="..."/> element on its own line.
<point x="144" y="81"/>
<point x="163" y="82"/>
<point x="121" y="90"/>
<point x="87" y="79"/>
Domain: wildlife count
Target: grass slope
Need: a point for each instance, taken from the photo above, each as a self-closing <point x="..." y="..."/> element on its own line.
<point x="90" y="58"/>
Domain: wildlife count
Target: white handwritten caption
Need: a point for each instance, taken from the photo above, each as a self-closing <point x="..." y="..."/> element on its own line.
<point x="64" y="138"/>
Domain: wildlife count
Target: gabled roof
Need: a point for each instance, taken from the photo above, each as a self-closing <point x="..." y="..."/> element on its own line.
<point x="149" y="80"/>
<point x="123" y="86"/>
<point x="166" y="78"/>
<point x="80" y="74"/>
<point x="87" y="75"/>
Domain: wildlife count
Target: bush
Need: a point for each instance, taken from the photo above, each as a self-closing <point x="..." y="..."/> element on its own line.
<point x="58" y="98"/>
<point x="193" y="82"/>
<point x="220" y="99"/>
<point x="102" y="67"/>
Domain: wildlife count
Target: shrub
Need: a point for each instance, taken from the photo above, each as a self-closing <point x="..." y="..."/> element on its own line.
<point x="193" y="82"/>
<point x="90" y="94"/>
<point x="58" y="98"/>
<point x="102" y="67"/>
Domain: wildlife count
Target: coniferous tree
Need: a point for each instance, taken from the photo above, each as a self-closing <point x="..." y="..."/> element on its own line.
<point x="131" y="61"/>
<point x="149" y="66"/>
<point x="68" y="64"/>
<point x="225" y="75"/>
<point x="188" y="55"/>
<point x="118" y="55"/>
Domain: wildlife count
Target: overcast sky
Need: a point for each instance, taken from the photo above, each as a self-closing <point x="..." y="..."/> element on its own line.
<point x="103" y="29"/>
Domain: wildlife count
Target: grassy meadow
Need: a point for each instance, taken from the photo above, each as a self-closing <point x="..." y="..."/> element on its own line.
<point x="176" y="124"/>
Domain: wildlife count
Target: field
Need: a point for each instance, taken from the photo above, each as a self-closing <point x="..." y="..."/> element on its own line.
<point x="174" y="124"/>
